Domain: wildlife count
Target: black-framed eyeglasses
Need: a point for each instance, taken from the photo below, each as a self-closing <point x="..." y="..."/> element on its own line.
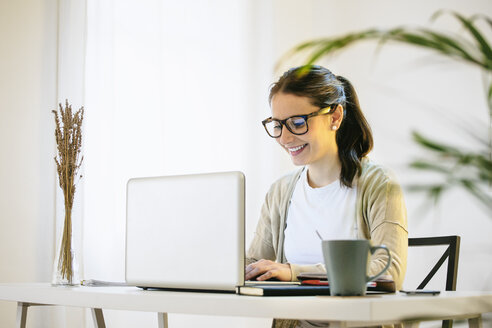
<point x="296" y="124"/>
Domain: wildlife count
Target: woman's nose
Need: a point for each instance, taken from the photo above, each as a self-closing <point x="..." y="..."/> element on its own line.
<point x="286" y="137"/>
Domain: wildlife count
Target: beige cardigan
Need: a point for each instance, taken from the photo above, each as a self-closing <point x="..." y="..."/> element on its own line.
<point x="381" y="218"/>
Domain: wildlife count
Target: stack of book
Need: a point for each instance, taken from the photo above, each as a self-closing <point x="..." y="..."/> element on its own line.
<point x="309" y="284"/>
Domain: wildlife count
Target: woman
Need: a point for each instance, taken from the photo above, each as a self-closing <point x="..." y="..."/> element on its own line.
<point x="338" y="192"/>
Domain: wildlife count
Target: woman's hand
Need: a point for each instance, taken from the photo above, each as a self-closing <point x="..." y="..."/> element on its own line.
<point x="266" y="269"/>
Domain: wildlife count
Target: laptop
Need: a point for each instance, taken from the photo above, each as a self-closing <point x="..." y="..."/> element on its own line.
<point x="186" y="232"/>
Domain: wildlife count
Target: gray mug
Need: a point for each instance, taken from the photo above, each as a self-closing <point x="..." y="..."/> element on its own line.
<point x="346" y="264"/>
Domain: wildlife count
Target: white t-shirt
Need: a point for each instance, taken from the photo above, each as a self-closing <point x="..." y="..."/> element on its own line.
<point x="330" y="210"/>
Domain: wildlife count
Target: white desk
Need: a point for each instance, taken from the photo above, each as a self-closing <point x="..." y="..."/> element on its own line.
<point x="342" y="311"/>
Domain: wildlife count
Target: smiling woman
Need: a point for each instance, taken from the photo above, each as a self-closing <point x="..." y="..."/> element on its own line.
<point x="338" y="192"/>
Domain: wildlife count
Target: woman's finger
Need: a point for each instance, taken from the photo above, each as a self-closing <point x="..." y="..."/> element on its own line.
<point x="255" y="269"/>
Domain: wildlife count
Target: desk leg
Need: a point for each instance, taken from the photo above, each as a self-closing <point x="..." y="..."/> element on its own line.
<point x="22" y="314"/>
<point x="98" y="318"/>
<point x="475" y="322"/>
<point x="162" y="320"/>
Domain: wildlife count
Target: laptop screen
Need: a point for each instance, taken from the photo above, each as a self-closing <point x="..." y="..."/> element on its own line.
<point x="186" y="231"/>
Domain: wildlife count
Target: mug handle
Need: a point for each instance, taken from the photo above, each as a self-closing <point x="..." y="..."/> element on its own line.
<point x="373" y="249"/>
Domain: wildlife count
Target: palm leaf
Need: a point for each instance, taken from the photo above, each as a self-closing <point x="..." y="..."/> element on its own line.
<point x="433" y="191"/>
<point x="452" y="47"/>
<point x="331" y="45"/>
<point x="479" y="194"/>
<point x="489" y="98"/>
<point x="481" y="41"/>
<point x="484" y="166"/>
<point x="429" y="166"/>
<point x="427" y="39"/>
<point x="433" y="145"/>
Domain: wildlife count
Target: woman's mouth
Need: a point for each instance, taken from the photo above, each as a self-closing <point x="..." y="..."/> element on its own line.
<point x="294" y="151"/>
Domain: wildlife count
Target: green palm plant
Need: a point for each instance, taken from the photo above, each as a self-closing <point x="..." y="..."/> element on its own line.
<point x="457" y="167"/>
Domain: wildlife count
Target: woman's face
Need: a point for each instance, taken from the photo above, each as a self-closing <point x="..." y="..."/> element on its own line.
<point x="318" y="144"/>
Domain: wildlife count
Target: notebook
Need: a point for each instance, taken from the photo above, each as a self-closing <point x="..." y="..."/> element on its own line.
<point x="186" y="232"/>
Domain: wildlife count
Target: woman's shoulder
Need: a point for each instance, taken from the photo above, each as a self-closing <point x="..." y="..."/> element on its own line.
<point x="286" y="182"/>
<point x="373" y="173"/>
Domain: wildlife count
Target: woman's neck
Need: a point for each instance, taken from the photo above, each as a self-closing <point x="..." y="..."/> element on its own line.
<point x="322" y="173"/>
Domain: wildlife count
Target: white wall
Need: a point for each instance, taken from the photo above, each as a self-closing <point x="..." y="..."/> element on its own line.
<point x="28" y="61"/>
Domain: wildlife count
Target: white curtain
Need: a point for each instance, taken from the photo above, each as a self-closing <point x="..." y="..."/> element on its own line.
<point x="169" y="89"/>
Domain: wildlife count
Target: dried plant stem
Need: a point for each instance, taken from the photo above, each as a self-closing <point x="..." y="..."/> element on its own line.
<point x="66" y="258"/>
<point x="68" y="133"/>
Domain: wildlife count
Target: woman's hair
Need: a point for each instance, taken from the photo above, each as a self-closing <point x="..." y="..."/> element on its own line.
<point x="323" y="88"/>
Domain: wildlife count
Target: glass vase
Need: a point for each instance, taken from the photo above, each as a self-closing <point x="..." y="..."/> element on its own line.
<point x="65" y="266"/>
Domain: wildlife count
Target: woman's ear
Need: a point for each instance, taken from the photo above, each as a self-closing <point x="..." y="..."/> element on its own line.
<point x="337" y="117"/>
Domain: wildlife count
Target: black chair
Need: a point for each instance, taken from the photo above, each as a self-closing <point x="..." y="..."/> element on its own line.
<point x="451" y="253"/>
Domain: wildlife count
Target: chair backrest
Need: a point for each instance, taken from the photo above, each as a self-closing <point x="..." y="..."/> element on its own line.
<point x="451" y="253"/>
